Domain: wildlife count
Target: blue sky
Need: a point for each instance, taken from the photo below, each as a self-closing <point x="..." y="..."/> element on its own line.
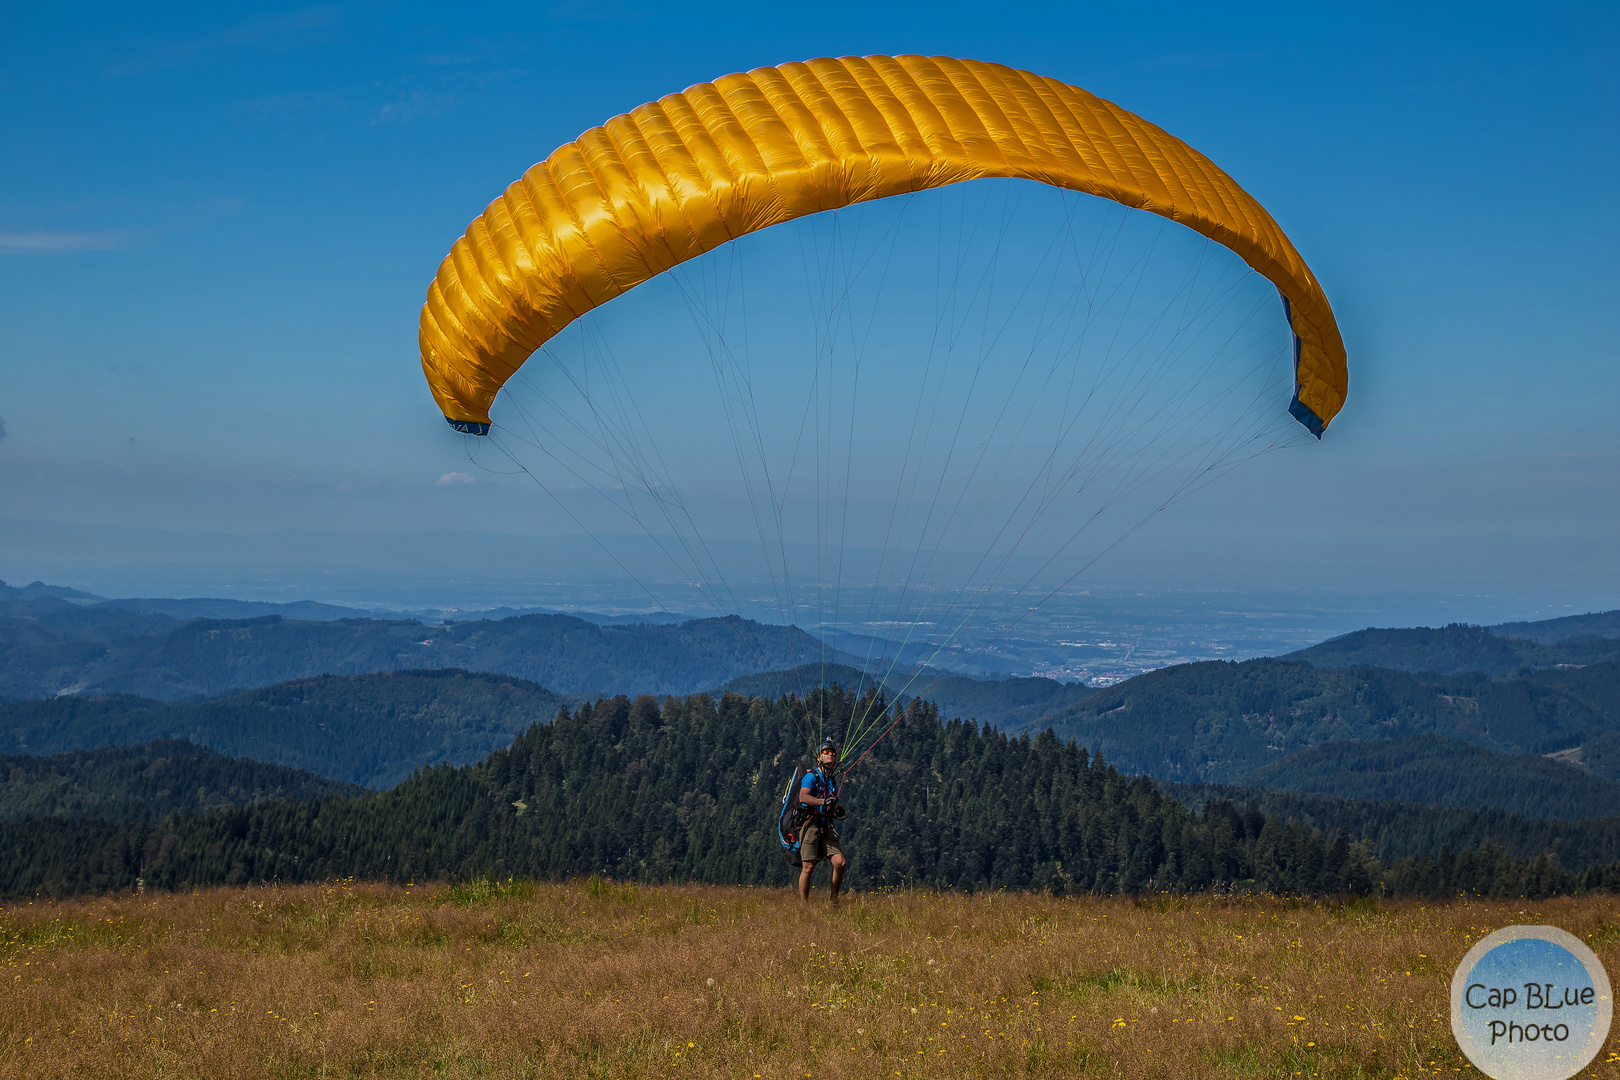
<point x="217" y="224"/>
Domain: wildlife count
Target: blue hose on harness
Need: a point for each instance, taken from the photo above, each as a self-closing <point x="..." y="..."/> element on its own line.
<point x="791" y="818"/>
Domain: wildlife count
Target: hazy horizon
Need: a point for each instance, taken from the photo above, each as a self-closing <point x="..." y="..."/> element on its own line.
<point x="1108" y="629"/>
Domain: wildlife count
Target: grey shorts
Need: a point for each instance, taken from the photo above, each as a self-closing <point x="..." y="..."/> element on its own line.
<point x="820" y="842"/>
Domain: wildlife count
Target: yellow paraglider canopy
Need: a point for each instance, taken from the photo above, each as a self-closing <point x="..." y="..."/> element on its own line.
<point x="685" y="174"/>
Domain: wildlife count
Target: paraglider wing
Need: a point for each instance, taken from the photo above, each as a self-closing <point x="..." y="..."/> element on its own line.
<point x="685" y="174"/>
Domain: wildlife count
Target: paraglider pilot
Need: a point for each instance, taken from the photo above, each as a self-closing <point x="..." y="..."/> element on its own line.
<point x="818" y="793"/>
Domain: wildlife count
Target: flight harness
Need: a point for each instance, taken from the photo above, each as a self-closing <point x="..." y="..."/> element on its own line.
<point x="790" y="821"/>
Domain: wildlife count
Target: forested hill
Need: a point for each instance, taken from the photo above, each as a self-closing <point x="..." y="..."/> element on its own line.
<point x="148" y="783"/>
<point x="688" y="790"/>
<point x="364" y="729"/>
<point x="1013" y="705"/>
<point x="1216" y="721"/>
<point x="1444" y="772"/>
<point x="1458" y="648"/>
<point x="1548" y="631"/>
<point x="43" y="613"/>
<point x="565" y="654"/>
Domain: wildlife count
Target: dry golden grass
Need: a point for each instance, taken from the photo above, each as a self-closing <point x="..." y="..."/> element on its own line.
<point x="597" y="979"/>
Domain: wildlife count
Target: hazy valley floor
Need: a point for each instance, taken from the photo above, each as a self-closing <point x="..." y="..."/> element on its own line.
<point x="596" y="979"/>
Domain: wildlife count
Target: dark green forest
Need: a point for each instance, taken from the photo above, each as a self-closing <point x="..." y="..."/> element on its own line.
<point x="363" y="729"/>
<point x="1601" y="754"/>
<point x="1403" y="832"/>
<point x="687" y="789"/>
<point x="147" y="783"/>
<point x="1444" y="772"/>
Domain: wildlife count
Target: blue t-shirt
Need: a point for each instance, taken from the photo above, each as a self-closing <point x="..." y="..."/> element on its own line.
<point x="819" y="787"/>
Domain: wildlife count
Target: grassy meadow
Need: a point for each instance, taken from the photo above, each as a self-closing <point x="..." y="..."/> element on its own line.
<point x="600" y="979"/>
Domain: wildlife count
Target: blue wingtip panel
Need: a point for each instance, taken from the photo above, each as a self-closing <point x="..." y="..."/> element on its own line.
<point x="468" y="427"/>
<point x="1302" y="412"/>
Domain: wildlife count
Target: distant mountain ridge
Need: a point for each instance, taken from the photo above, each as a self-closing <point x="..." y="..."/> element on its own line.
<point x="1457" y="648"/>
<point x="38" y="590"/>
<point x="569" y="655"/>
<point x="1551" y="631"/>
<point x="40" y="601"/>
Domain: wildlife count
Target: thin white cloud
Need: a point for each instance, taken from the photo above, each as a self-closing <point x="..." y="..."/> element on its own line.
<point x="295" y="103"/>
<point x="454" y="479"/>
<point x="413" y="105"/>
<point x="41" y="242"/>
